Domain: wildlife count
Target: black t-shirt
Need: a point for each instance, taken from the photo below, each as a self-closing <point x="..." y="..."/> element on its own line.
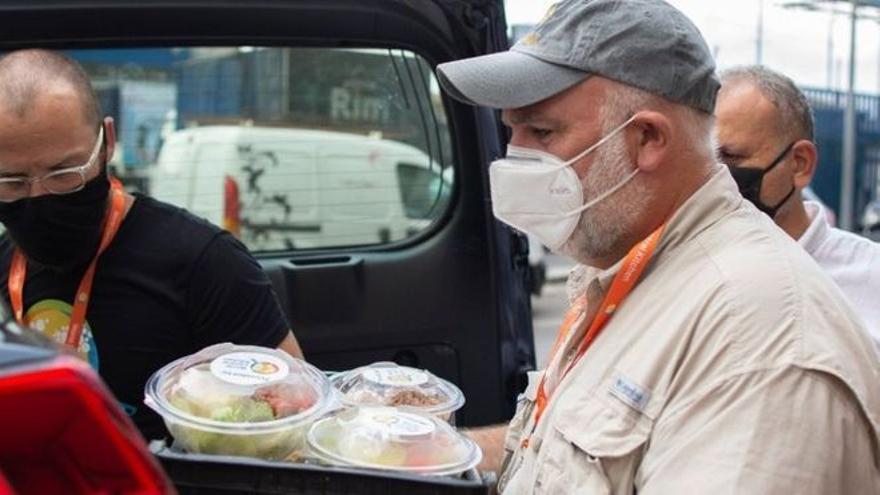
<point x="169" y="285"/>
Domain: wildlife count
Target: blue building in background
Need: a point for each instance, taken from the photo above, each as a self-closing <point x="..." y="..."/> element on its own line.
<point x="156" y="58"/>
<point x="828" y="110"/>
<point x="137" y="88"/>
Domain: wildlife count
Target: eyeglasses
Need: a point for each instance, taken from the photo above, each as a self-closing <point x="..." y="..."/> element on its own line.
<point x="65" y="181"/>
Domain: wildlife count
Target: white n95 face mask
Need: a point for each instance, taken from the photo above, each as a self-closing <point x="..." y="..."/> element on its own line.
<point x="539" y="194"/>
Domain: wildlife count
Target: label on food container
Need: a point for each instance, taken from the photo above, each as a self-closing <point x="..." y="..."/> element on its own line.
<point x="402" y="424"/>
<point x="249" y="368"/>
<point x="396" y="377"/>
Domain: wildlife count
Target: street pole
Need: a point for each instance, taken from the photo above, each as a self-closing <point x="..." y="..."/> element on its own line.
<point x="759" y="40"/>
<point x="849" y="133"/>
<point x="877" y="20"/>
<point x="829" y="57"/>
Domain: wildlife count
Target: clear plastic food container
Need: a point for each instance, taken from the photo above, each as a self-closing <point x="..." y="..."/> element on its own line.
<point x="239" y="400"/>
<point x="391" y="439"/>
<point x="389" y="384"/>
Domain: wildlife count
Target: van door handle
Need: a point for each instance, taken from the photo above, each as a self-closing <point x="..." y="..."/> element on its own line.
<point x="326" y="261"/>
<point x="324" y="290"/>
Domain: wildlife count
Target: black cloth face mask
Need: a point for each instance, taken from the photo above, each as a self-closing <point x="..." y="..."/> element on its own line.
<point x="750" y="179"/>
<point x="59" y="232"/>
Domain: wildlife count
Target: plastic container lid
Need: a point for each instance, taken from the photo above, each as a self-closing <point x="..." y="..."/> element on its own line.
<point x="392" y="439"/>
<point x="243" y="393"/>
<point x="389" y="384"/>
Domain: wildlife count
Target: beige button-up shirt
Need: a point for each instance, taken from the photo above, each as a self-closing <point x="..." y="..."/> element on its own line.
<point x="734" y="367"/>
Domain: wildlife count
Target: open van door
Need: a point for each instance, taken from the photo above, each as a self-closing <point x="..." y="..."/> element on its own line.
<point x="451" y="297"/>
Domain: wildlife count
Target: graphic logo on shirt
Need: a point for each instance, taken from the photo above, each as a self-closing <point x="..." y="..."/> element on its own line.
<point x="52" y="318"/>
<point x="631" y="393"/>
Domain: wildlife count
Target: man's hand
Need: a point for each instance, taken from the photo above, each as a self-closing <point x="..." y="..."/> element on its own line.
<point x="491" y="441"/>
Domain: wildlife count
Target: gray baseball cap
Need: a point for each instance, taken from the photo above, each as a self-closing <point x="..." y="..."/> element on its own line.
<point x="647" y="44"/>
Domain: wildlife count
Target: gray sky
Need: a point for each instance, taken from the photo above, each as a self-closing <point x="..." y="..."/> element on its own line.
<point x="795" y="41"/>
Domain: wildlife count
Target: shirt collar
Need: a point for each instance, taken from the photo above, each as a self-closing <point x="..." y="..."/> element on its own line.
<point x="818" y="229"/>
<point x="718" y="197"/>
<point x="715" y="199"/>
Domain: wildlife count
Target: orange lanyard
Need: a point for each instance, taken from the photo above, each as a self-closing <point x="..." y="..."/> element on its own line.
<point x="18" y="270"/>
<point x="623" y="283"/>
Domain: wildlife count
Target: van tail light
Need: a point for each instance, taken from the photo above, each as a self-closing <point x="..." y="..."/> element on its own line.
<point x="5" y="487"/>
<point x="64" y="433"/>
<point x="231" y="207"/>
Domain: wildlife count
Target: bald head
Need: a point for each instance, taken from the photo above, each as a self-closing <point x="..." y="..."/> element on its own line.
<point x="793" y="115"/>
<point x="27" y="75"/>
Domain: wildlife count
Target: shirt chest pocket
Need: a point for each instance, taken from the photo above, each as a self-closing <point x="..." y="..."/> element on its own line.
<point x="593" y="448"/>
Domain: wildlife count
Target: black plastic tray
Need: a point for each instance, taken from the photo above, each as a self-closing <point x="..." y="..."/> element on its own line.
<point x="209" y="474"/>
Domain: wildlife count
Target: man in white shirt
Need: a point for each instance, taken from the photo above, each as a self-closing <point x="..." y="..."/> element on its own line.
<point x="764" y="130"/>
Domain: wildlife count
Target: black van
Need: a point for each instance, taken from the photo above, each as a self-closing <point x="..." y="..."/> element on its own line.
<point x="451" y="292"/>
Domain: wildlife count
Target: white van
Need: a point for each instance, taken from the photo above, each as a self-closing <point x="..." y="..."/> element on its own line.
<point x="283" y="188"/>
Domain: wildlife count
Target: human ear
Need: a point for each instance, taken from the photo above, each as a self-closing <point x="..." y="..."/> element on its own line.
<point x="652" y="136"/>
<point x="109" y="137"/>
<point x="805" y="157"/>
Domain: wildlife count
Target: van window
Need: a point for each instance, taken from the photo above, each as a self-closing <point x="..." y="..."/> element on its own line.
<point x="287" y="148"/>
<point x="421" y="190"/>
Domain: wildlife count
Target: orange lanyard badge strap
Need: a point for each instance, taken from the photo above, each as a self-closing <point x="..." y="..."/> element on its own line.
<point x="624" y="282"/>
<point x="18" y="270"/>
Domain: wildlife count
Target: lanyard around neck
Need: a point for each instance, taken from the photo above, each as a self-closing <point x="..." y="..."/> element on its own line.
<point x="624" y="282"/>
<point x="18" y="270"/>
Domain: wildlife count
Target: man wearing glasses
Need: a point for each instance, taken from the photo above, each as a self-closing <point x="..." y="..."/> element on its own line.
<point x="128" y="282"/>
<point x="765" y="135"/>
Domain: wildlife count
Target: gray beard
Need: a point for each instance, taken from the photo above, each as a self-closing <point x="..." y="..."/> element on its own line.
<point x="603" y="228"/>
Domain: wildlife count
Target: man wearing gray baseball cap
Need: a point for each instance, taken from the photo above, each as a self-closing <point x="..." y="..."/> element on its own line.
<point x="704" y="352"/>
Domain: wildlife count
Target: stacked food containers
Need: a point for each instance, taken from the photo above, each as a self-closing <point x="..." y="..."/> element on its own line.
<point x="261" y="403"/>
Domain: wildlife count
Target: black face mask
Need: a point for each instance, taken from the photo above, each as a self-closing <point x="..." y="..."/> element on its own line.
<point x="59" y="232"/>
<point x="750" y="179"/>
